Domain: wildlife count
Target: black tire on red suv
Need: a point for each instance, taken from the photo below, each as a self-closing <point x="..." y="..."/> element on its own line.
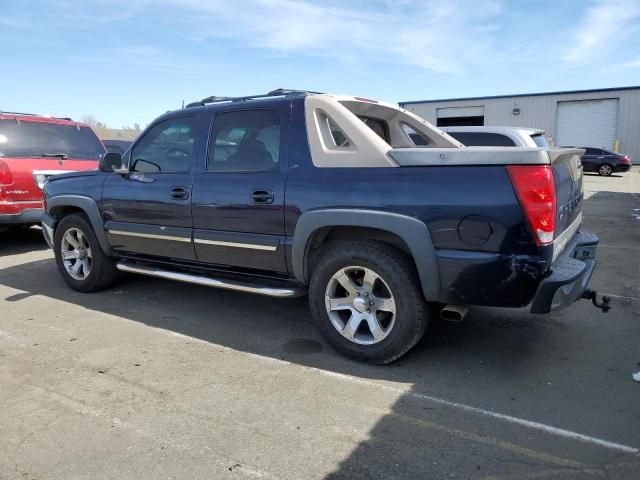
<point x="80" y="259"/>
<point x="366" y="299"/>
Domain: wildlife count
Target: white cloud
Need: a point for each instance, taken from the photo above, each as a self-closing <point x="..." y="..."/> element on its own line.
<point x="606" y="25"/>
<point x="434" y="35"/>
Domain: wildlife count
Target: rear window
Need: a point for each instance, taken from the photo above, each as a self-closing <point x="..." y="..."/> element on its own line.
<point x="540" y="140"/>
<point x="482" y="139"/>
<point x="37" y="139"/>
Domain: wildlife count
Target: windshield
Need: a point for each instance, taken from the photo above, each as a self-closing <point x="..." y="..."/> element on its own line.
<point x="39" y="139"/>
<point x="540" y="140"/>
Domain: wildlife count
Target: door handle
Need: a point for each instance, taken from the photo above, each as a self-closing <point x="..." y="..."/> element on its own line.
<point x="262" y="196"/>
<point x="179" y="193"/>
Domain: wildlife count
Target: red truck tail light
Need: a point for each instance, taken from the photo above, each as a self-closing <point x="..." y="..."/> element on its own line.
<point x="536" y="191"/>
<point x="5" y="174"/>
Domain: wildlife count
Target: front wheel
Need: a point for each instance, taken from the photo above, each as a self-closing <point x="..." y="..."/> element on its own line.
<point x="80" y="259"/>
<point x="605" y="170"/>
<point x="366" y="299"/>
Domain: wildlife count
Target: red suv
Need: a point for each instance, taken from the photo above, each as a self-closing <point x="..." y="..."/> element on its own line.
<point x="32" y="148"/>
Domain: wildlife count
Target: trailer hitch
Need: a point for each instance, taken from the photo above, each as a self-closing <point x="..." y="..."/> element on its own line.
<point x="592" y="295"/>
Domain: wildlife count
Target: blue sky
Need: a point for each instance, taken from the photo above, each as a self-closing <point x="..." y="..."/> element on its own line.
<point x="127" y="61"/>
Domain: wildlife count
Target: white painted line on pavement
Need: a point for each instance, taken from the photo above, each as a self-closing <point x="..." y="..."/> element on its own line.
<point x="560" y="432"/>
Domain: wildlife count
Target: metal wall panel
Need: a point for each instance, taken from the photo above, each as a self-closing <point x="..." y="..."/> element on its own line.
<point x="541" y="112"/>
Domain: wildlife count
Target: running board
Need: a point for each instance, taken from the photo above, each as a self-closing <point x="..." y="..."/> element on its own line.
<point x="267" y="291"/>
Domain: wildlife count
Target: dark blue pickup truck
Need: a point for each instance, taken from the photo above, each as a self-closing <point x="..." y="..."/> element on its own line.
<point x="381" y="218"/>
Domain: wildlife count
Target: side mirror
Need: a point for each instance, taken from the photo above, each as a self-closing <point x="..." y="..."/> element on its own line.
<point x="111" y="162"/>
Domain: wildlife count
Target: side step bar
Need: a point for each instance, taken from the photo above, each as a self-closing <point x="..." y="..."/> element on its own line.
<point x="287" y="292"/>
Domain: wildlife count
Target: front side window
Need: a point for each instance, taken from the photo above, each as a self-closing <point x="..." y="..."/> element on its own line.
<point x="168" y="147"/>
<point x="245" y="141"/>
<point x="27" y="138"/>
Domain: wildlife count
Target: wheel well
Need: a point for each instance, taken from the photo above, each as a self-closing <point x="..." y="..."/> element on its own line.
<point x="323" y="236"/>
<point x="63" y="211"/>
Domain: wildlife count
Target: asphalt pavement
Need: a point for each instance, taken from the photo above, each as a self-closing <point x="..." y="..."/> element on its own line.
<point x="154" y="379"/>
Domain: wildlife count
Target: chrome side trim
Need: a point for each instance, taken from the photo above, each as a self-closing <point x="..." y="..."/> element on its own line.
<point x="150" y="235"/>
<point x="561" y="242"/>
<point x="221" y="243"/>
<point x="212" y="282"/>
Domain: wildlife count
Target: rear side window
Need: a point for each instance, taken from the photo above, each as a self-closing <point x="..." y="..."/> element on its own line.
<point x="37" y="139"/>
<point x="540" y="140"/>
<point x="418" y="139"/>
<point x="168" y="147"/>
<point x="245" y="141"/>
<point x="596" y="151"/>
<point x="482" y="139"/>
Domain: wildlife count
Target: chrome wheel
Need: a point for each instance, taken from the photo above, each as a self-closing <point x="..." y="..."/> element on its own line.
<point x="605" y="170"/>
<point x="76" y="254"/>
<point x="360" y="305"/>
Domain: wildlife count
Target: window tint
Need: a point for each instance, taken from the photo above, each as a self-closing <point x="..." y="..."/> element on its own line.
<point x="482" y="139"/>
<point x="540" y="140"/>
<point x="167" y="147"/>
<point x="245" y="141"/>
<point x="34" y="139"/>
<point x="593" y="151"/>
<point x="417" y="138"/>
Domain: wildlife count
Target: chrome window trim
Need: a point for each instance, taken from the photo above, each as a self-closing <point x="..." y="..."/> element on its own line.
<point x="221" y="243"/>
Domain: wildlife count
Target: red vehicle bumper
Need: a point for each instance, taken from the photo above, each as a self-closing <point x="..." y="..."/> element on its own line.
<point x="20" y="213"/>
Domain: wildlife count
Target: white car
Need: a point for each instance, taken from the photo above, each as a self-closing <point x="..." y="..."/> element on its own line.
<point x="498" y="136"/>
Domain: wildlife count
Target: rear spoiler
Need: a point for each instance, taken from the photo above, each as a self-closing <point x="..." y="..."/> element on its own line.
<point x="417" y="157"/>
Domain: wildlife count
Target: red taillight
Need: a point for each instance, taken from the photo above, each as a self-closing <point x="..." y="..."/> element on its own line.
<point x="536" y="192"/>
<point x="5" y="174"/>
<point x="625" y="159"/>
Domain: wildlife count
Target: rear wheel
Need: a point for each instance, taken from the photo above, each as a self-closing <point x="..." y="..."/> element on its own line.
<point x="367" y="301"/>
<point x="80" y="259"/>
<point x="605" y="170"/>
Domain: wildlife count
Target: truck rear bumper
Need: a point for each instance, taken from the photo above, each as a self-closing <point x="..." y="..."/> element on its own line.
<point x="25" y="217"/>
<point x="570" y="275"/>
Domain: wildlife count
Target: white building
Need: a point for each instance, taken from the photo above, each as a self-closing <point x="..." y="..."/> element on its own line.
<point x="607" y="118"/>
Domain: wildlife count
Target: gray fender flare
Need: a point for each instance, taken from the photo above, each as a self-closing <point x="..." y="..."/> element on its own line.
<point x="413" y="231"/>
<point x="89" y="206"/>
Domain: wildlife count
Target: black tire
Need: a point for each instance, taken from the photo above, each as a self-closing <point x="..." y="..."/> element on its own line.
<point x="103" y="270"/>
<point x="398" y="272"/>
<point x="605" y="170"/>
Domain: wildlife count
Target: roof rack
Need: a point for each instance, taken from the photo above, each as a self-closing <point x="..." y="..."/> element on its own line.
<point x="2" y="112"/>
<point x="279" y="92"/>
<point x="19" y="113"/>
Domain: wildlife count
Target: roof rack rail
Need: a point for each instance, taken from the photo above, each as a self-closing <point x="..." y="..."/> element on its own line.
<point x="20" y="113"/>
<point x="35" y="115"/>
<point x="279" y="92"/>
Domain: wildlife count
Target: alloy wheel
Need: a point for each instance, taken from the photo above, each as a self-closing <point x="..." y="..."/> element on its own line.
<point x="605" y="170"/>
<point x="76" y="254"/>
<point x="360" y="305"/>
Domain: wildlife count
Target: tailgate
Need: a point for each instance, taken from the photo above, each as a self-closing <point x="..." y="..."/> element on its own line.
<point x="567" y="174"/>
<point x="28" y="175"/>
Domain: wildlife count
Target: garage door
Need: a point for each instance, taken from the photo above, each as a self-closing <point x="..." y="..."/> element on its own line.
<point x="587" y="123"/>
